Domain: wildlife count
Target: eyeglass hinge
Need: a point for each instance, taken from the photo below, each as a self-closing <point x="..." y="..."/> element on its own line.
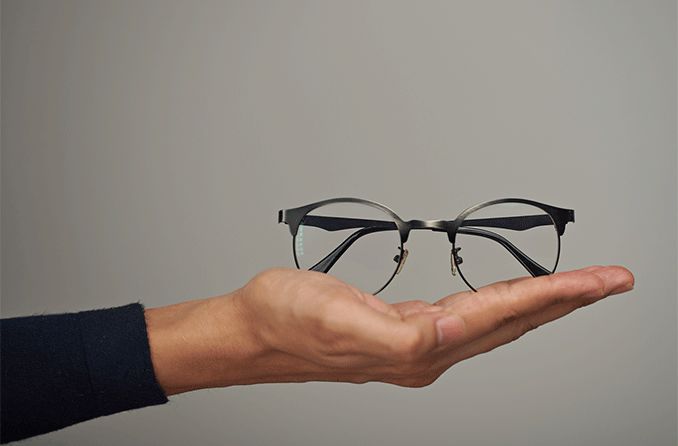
<point x="455" y="260"/>
<point x="281" y="217"/>
<point x="401" y="261"/>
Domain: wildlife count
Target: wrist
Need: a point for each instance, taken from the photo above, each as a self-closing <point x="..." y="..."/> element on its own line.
<point x="202" y="343"/>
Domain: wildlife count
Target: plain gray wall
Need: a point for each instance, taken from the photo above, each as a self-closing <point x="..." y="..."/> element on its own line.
<point x="147" y="145"/>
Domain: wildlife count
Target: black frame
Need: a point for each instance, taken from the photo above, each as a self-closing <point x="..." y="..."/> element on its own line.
<point x="558" y="217"/>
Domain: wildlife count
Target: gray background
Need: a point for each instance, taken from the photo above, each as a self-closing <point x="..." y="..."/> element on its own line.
<point x="146" y="147"/>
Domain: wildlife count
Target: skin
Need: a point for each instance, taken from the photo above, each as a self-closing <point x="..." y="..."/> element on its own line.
<point x="295" y="326"/>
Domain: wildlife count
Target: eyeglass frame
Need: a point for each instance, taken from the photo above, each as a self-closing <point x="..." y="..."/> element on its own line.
<point x="293" y="217"/>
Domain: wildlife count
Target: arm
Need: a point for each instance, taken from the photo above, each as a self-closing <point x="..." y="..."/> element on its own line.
<point x="282" y="326"/>
<point x="296" y="326"/>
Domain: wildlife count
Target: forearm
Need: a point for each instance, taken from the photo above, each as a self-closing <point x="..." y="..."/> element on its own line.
<point x="199" y="344"/>
<point x="213" y="343"/>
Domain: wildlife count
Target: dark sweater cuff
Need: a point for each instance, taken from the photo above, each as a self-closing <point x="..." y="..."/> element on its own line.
<point x="61" y="369"/>
<point x="118" y="356"/>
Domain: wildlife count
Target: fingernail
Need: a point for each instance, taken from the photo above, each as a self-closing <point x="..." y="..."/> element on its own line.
<point x="617" y="281"/>
<point x="623" y="288"/>
<point x="449" y="328"/>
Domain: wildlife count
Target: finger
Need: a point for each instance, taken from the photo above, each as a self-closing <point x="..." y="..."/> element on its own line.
<point x="515" y="330"/>
<point x="445" y="301"/>
<point x="455" y="298"/>
<point x="592" y="268"/>
<point x="505" y="302"/>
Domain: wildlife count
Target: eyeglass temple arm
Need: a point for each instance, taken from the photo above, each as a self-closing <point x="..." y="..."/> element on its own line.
<point x="516" y="223"/>
<point x="325" y="264"/>
<point x="340" y="223"/>
<point x="530" y="265"/>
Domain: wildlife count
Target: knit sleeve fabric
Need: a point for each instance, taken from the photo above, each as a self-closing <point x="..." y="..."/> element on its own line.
<point x="62" y="369"/>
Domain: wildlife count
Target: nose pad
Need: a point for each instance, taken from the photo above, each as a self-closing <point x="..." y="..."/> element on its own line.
<point x="455" y="260"/>
<point x="400" y="262"/>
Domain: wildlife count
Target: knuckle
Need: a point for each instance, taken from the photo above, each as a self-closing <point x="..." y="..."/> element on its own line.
<point x="260" y="280"/>
<point x="598" y="285"/>
<point x="267" y="280"/>
<point x="272" y="272"/>
<point x="599" y="291"/>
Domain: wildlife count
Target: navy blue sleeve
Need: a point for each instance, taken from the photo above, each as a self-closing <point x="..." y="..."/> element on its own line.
<point x="58" y="370"/>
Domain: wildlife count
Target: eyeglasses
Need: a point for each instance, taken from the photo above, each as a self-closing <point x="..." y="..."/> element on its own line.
<point x="363" y="242"/>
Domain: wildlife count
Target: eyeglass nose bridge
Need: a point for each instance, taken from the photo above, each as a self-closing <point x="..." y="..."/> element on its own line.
<point x="431" y="225"/>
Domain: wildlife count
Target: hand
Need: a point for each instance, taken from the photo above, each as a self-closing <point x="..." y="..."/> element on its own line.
<point x="293" y="326"/>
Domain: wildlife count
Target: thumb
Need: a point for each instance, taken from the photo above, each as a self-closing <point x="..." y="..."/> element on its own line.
<point x="427" y="330"/>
